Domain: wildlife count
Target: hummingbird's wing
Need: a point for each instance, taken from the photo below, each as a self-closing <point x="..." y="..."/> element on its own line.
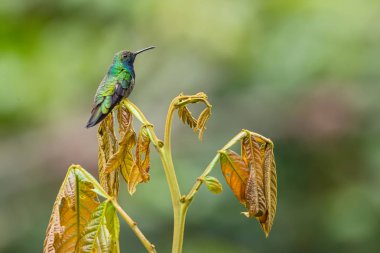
<point x="110" y="92"/>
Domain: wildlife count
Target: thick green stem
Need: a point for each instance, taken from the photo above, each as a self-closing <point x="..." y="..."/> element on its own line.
<point x="180" y="204"/>
<point x="164" y="150"/>
<point x="167" y="161"/>
<point x="179" y="228"/>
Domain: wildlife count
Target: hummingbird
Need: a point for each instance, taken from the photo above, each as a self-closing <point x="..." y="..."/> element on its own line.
<point x="117" y="84"/>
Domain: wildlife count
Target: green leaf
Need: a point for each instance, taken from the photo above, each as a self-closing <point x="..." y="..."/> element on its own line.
<point x="76" y="201"/>
<point x="213" y="184"/>
<point x="101" y="233"/>
<point x="113" y="226"/>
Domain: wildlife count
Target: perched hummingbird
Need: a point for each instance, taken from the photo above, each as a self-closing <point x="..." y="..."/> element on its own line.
<point x="117" y="84"/>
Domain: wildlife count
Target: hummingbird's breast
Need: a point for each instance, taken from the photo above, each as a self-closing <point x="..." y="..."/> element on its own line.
<point x="130" y="87"/>
<point x="130" y="69"/>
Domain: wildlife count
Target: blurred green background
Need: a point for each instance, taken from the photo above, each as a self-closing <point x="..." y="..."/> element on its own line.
<point x="303" y="73"/>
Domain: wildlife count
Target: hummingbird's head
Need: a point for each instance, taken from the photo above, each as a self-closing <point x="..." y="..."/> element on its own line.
<point x="127" y="57"/>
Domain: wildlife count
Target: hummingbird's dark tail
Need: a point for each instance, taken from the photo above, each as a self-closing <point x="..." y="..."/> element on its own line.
<point x="96" y="116"/>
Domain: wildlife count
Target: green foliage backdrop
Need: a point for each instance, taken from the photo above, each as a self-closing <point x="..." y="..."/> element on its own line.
<point x="304" y="73"/>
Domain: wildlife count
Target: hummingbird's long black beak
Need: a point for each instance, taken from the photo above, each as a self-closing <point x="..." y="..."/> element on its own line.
<point x="142" y="50"/>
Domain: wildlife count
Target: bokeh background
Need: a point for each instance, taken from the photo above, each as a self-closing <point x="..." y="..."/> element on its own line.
<point x="303" y="73"/>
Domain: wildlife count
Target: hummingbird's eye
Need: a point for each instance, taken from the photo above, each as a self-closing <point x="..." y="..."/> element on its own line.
<point x="124" y="56"/>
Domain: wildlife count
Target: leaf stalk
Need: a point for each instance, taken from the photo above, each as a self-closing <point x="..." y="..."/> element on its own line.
<point x="180" y="204"/>
<point x="189" y="197"/>
<point x="133" y="225"/>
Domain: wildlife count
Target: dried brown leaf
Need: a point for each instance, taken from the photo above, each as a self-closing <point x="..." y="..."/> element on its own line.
<point x="134" y="179"/>
<point x="119" y="156"/>
<point x="259" y="183"/>
<point x="235" y="172"/>
<point x="202" y="119"/>
<point x="186" y="116"/>
<point x="139" y="171"/>
<point x="270" y="184"/>
<point x="143" y="153"/>
<point x="124" y="118"/>
<point x="107" y="148"/>
<point x="127" y="143"/>
<point x="126" y="165"/>
<point x="252" y="153"/>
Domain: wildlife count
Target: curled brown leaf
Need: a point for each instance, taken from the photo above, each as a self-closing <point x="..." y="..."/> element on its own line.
<point x="202" y="119"/>
<point x="270" y="184"/>
<point x="252" y="177"/>
<point x="186" y="116"/>
<point x="261" y="189"/>
<point x="252" y="153"/>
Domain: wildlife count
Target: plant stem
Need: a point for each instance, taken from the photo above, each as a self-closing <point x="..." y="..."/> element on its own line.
<point x="164" y="150"/>
<point x="166" y="156"/>
<point x="167" y="161"/>
<point x="99" y="190"/>
<point x="149" y="246"/>
<point x="158" y="144"/>
<point x="180" y="205"/>
<point x="179" y="228"/>
<point x="189" y="197"/>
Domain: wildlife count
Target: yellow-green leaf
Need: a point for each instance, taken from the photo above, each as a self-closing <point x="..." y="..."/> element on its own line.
<point x="213" y="184"/>
<point x="76" y="200"/>
<point x="235" y="172"/>
<point x="100" y="234"/>
<point x="113" y="226"/>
